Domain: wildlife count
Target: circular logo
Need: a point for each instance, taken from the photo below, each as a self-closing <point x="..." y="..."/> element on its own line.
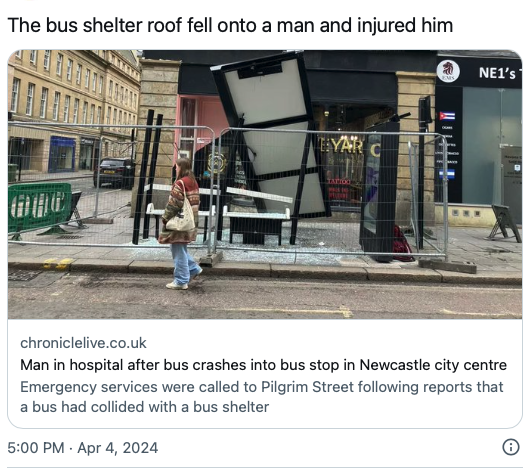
<point x="448" y="71"/>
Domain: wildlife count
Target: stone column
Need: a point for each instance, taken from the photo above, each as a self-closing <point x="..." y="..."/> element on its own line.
<point x="411" y="87"/>
<point x="158" y="91"/>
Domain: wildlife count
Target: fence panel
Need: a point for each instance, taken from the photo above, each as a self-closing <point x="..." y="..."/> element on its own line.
<point x="329" y="193"/>
<point x="105" y="200"/>
<point x="293" y="193"/>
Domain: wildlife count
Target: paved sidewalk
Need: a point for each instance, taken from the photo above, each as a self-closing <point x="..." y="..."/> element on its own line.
<point x="497" y="262"/>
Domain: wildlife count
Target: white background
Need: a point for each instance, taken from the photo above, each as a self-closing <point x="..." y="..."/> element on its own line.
<point x="485" y="25"/>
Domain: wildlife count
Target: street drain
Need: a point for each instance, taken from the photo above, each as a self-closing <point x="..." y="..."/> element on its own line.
<point x="69" y="237"/>
<point x="22" y="275"/>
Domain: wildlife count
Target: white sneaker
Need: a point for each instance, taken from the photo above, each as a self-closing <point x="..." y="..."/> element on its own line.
<point x="176" y="286"/>
<point x="197" y="274"/>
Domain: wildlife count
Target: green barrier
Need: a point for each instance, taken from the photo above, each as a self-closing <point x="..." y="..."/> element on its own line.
<point x="32" y="206"/>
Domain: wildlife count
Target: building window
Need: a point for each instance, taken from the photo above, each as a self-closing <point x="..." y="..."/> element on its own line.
<point x="92" y="112"/>
<point x="76" y="110"/>
<point x="111" y="87"/>
<point x="43" y="103"/>
<point x="85" y="111"/>
<point x="78" y="74"/>
<point x="87" y="78"/>
<point x="47" y="55"/>
<point x="56" y="102"/>
<point x="94" y="81"/>
<point x="29" y="101"/>
<point x="100" y="85"/>
<point x="108" y="115"/>
<point x="126" y="96"/>
<point x="99" y="115"/>
<point x="33" y="57"/>
<point x="14" y="94"/>
<point x="114" y="117"/>
<point x="66" y="108"/>
<point x="119" y="121"/>
<point x="59" y="69"/>
<point x="116" y="92"/>
<point x="18" y="54"/>
<point x="121" y="94"/>
<point x="69" y="66"/>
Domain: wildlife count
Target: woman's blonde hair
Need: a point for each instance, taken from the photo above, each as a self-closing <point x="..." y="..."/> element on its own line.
<point x="184" y="165"/>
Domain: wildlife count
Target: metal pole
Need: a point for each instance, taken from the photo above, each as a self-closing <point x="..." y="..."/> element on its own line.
<point x="97" y="176"/>
<point x="445" y="201"/>
<point x="212" y="222"/>
<point x="151" y="177"/>
<point x="141" y="179"/>
<point x="421" y="176"/>
<point x="218" y="208"/>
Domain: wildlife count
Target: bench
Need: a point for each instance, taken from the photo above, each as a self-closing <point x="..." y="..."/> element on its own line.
<point x="150" y="210"/>
<point x="255" y="226"/>
<point x="32" y="206"/>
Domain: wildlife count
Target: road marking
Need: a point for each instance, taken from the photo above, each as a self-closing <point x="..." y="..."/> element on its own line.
<point x="64" y="263"/>
<point x="49" y="263"/>
<point x="281" y="311"/>
<point x="482" y="314"/>
<point x="346" y="312"/>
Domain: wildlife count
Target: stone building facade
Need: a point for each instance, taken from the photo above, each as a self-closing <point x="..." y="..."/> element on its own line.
<point x="75" y="87"/>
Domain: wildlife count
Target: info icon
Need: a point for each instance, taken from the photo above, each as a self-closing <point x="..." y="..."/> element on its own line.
<point x="510" y="447"/>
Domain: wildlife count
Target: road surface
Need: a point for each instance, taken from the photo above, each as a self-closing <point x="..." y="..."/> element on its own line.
<point x="53" y="295"/>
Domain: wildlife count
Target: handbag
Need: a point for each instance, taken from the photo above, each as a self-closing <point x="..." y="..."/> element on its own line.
<point x="184" y="221"/>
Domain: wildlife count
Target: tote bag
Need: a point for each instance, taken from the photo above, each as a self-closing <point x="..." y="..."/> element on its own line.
<point x="184" y="221"/>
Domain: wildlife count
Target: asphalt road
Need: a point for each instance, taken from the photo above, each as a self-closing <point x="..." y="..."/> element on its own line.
<point x="52" y="295"/>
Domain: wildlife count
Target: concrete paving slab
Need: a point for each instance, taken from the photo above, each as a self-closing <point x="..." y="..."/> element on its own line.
<point x="151" y="267"/>
<point x="262" y="270"/>
<point x="86" y="264"/>
<point x="483" y="277"/>
<point x="319" y="272"/>
<point x="405" y="275"/>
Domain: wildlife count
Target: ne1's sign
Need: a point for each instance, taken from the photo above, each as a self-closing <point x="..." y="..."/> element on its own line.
<point x="480" y="72"/>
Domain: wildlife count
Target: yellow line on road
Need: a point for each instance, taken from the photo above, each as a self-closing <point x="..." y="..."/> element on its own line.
<point x="49" y="263"/>
<point x="64" y="263"/>
<point x="283" y="311"/>
<point x="346" y="312"/>
<point x="482" y="314"/>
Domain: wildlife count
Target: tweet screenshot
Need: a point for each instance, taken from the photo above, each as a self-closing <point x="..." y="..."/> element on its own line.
<point x="268" y="235"/>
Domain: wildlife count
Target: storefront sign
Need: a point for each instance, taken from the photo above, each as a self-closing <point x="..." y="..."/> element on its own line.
<point x="448" y="122"/>
<point x="481" y="72"/>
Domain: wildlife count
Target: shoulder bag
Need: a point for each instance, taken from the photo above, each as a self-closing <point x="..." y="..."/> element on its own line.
<point x="184" y="221"/>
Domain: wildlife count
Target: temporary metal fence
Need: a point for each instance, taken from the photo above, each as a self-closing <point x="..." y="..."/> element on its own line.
<point x="288" y="191"/>
<point x="368" y="181"/>
<point x="102" y="204"/>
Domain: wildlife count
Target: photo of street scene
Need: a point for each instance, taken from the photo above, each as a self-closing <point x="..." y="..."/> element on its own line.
<point x="320" y="184"/>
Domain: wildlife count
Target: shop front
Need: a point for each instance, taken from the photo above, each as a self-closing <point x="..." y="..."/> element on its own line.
<point x="479" y="110"/>
<point x="350" y="92"/>
<point x="88" y="153"/>
<point x="62" y="154"/>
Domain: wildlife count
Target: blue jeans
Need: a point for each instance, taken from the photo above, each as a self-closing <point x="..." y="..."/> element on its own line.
<point x="185" y="266"/>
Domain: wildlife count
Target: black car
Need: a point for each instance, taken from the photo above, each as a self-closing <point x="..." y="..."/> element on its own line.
<point x="118" y="172"/>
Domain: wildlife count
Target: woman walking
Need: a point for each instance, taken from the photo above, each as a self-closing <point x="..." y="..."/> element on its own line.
<point x="185" y="186"/>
